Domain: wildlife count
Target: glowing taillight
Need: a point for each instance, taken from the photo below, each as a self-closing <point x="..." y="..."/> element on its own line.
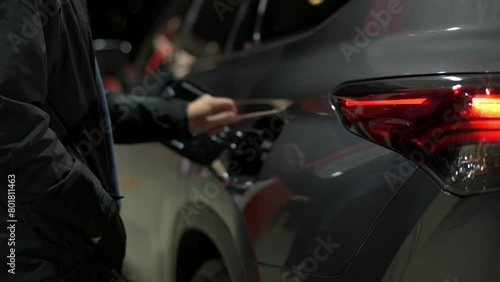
<point x="486" y="106"/>
<point x="395" y="102"/>
<point x="450" y="127"/>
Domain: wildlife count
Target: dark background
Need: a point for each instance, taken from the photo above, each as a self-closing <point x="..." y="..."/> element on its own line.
<point x="129" y="20"/>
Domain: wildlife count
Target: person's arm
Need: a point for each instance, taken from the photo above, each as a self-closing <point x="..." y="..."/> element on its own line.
<point x="48" y="179"/>
<point x="147" y="119"/>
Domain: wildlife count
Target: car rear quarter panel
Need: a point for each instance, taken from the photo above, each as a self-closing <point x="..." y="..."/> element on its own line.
<point x="422" y="38"/>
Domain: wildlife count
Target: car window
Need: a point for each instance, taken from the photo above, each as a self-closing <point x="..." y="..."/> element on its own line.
<point x="244" y="39"/>
<point x="286" y="17"/>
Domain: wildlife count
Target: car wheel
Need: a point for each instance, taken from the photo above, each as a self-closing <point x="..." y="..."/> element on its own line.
<point x="212" y="270"/>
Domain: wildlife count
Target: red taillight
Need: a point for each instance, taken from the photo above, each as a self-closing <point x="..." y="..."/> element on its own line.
<point x="395" y="102"/>
<point x="486" y="106"/>
<point x="448" y="127"/>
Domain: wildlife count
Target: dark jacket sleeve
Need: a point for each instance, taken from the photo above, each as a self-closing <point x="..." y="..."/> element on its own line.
<point x="48" y="179"/>
<point x="138" y="119"/>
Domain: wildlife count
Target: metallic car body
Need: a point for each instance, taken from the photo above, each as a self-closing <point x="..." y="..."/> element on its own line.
<point x="335" y="193"/>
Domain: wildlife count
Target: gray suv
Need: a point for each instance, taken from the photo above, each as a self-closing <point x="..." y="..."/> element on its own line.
<point x="367" y="146"/>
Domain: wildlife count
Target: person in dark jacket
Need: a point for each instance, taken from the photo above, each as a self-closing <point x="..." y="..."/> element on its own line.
<point x="59" y="209"/>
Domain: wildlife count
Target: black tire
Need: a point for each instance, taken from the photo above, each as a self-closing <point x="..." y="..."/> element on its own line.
<point x="212" y="270"/>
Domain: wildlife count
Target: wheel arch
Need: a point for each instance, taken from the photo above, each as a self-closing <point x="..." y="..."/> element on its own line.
<point x="206" y="231"/>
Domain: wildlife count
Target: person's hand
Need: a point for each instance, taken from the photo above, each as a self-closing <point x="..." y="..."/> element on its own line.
<point x="96" y="240"/>
<point x="210" y="115"/>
